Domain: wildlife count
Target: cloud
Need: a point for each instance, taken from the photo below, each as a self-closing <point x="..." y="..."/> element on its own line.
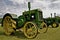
<point x="18" y="6"/>
<point x="18" y="1"/>
<point x="9" y="6"/>
<point x="51" y="0"/>
<point x="55" y="6"/>
<point x="2" y="7"/>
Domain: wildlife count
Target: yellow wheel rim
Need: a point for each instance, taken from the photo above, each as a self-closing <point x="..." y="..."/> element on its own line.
<point x="30" y="30"/>
<point x="43" y="28"/>
<point x="54" y="25"/>
<point x="7" y="25"/>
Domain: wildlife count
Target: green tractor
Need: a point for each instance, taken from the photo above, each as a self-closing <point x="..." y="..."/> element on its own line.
<point x="30" y="23"/>
<point x="53" y="21"/>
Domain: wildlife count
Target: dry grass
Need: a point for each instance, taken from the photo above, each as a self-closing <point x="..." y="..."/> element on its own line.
<point x="51" y="34"/>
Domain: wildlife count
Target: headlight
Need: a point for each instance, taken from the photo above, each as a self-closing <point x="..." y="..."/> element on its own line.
<point x="32" y="16"/>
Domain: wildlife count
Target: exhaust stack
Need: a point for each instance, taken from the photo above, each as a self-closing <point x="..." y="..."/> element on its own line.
<point x="54" y="14"/>
<point x="51" y="15"/>
<point x="29" y="5"/>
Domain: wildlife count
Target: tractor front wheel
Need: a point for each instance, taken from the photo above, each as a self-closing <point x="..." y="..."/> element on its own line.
<point x="43" y="28"/>
<point x="30" y="30"/>
<point x="8" y="25"/>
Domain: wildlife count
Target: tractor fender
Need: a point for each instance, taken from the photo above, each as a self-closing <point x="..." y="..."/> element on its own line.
<point x="7" y="14"/>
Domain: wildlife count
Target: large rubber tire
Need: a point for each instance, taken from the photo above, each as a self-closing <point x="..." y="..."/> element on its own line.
<point x="30" y="30"/>
<point x="8" y="25"/>
<point x="54" y="25"/>
<point x="43" y="28"/>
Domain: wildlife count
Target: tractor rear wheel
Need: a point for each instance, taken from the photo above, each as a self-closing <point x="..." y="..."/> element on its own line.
<point x="8" y="25"/>
<point x="54" y="25"/>
<point x="43" y="28"/>
<point x="30" y="30"/>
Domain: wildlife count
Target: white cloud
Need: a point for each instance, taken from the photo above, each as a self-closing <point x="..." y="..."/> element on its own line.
<point x="18" y="1"/>
<point x="18" y="6"/>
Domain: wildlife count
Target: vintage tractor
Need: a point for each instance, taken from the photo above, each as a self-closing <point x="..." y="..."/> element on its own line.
<point x="53" y="21"/>
<point x="30" y="23"/>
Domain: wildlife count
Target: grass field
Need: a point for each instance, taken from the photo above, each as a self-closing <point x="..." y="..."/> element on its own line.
<point x="51" y="34"/>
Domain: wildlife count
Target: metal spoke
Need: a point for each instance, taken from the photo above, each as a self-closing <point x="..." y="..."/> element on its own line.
<point x="30" y="32"/>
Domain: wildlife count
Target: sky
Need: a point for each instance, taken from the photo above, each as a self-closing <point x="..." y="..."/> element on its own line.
<point x="19" y="6"/>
